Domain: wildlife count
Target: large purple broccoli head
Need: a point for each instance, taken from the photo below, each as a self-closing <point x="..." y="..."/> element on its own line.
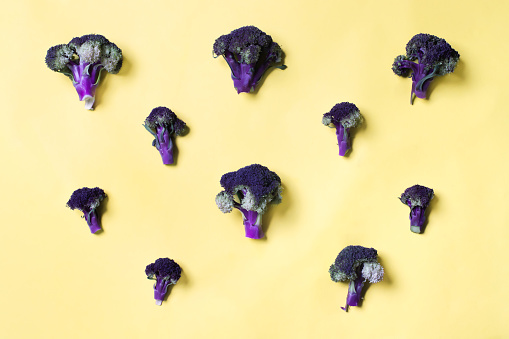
<point x="87" y="200"/>
<point x="250" y="190"/>
<point x="356" y="264"/>
<point x="82" y="60"/>
<point x="165" y="269"/>
<point x="434" y="57"/>
<point x="249" y="52"/>
<point x="162" y="123"/>
<point x="417" y="198"/>
<point x="432" y="52"/>
<point x="255" y="185"/>
<point x="164" y="117"/>
<point x="343" y="116"/>
<point x="349" y="261"/>
<point x="166" y="272"/>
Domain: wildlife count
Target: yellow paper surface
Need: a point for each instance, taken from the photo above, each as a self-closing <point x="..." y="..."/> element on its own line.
<point x="60" y="281"/>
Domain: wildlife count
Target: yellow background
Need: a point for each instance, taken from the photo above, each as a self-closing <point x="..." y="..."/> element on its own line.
<point x="60" y="281"/>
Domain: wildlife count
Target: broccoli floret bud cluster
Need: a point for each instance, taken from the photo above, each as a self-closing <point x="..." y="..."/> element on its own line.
<point x="86" y="199"/>
<point x="345" y="114"/>
<point x="255" y="185"/>
<point x="249" y="52"/>
<point x="432" y="51"/>
<point x="165" y="269"/>
<point x="164" y="117"/>
<point x="346" y="265"/>
<point x="417" y="195"/>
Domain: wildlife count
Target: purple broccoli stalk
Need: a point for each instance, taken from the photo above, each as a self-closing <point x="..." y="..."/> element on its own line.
<point x="417" y="198"/>
<point x="82" y="60"/>
<point x="165" y="272"/>
<point x="255" y="187"/>
<point x="434" y="57"/>
<point x="250" y="53"/>
<point x="343" y="116"/>
<point x="162" y="123"/>
<point x="87" y="200"/>
<point x="356" y="264"/>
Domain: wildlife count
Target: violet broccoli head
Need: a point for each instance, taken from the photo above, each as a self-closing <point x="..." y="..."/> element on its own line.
<point x="249" y="52"/>
<point x="83" y="60"/>
<point x="250" y="190"/>
<point x="417" y="198"/>
<point x="163" y="124"/>
<point x="343" y="116"/>
<point x="87" y="200"/>
<point x="165" y="272"/>
<point x="357" y="265"/>
<point x="434" y="57"/>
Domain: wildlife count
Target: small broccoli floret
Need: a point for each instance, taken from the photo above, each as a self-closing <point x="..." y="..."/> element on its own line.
<point x="249" y="52"/>
<point x="343" y="116"/>
<point x="82" y="60"/>
<point x="165" y="272"/>
<point x="162" y="123"/>
<point x="87" y="200"/>
<point x="417" y="198"/>
<point x="356" y="264"/>
<point x="434" y="57"/>
<point x="255" y="187"/>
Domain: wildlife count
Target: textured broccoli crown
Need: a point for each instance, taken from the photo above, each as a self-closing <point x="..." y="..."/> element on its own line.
<point x="400" y="67"/>
<point x="256" y="185"/>
<point x="224" y="202"/>
<point x="58" y="57"/>
<point x="433" y="52"/>
<point x="165" y="269"/>
<point x="86" y="199"/>
<point x="345" y="113"/>
<point x="417" y="196"/>
<point x="349" y="260"/>
<point x="373" y="272"/>
<point x="96" y="49"/>
<point x="247" y="43"/>
<point x="164" y="117"/>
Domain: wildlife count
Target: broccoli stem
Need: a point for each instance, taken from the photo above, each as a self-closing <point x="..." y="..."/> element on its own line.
<point x="421" y="79"/>
<point x="252" y="222"/>
<point x="417" y="218"/>
<point x="244" y="83"/>
<point x="354" y="292"/>
<point x="343" y="139"/>
<point x="165" y="144"/>
<point x="160" y="289"/>
<point x="92" y="221"/>
<point x="85" y="82"/>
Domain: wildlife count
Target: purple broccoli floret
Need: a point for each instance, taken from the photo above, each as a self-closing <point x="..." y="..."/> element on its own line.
<point x="343" y="116"/>
<point x="249" y="52"/>
<point x="255" y="187"/>
<point x="434" y="57"/>
<point x="87" y="200"/>
<point x="162" y="123"/>
<point x="82" y="60"/>
<point x="417" y="198"/>
<point x="356" y="264"/>
<point x="165" y="272"/>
